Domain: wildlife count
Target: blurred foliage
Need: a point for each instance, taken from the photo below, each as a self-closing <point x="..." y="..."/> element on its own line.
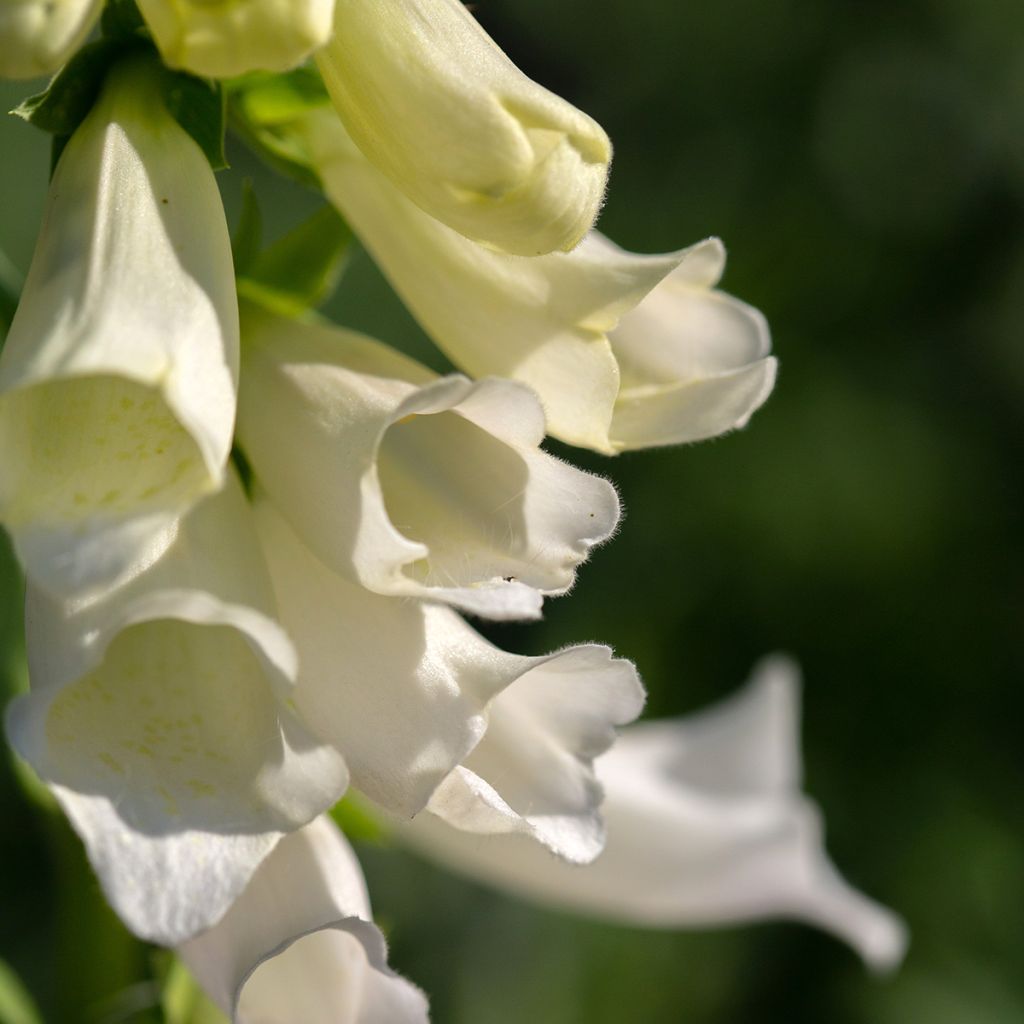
<point x="864" y="162"/>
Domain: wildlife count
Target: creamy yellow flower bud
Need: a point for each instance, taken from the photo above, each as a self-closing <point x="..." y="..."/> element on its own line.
<point x="437" y="106"/>
<point x="223" y="38"/>
<point x="37" y="36"/>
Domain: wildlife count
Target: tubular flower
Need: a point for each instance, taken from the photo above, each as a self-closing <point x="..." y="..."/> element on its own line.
<point x="117" y="381"/>
<point x="37" y="36"/>
<point x="159" y="716"/>
<point x="409" y="484"/>
<point x="625" y="351"/>
<point x="491" y="741"/>
<point x="706" y="825"/>
<point x="454" y="124"/>
<point x="299" y="943"/>
<point x="232" y="37"/>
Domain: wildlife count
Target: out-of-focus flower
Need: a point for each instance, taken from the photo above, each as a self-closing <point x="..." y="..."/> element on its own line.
<point x="706" y="825"/>
<point x="225" y="39"/>
<point x="117" y="380"/>
<point x="429" y="714"/>
<point x="454" y="124"/>
<point x="159" y="715"/>
<point x="299" y="945"/>
<point x="625" y="351"/>
<point x="37" y="36"/>
<point x="410" y="484"/>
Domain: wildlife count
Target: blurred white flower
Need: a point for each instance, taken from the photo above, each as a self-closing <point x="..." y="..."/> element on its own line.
<point x="410" y="484"/>
<point x="37" y="36"/>
<point x="625" y="351"/>
<point x="221" y="40"/>
<point x="428" y="714"/>
<point x="159" y="714"/>
<point x="706" y="826"/>
<point x="117" y="380"/>
<point x="299" y="944"/>
<point x="454" y="124"/>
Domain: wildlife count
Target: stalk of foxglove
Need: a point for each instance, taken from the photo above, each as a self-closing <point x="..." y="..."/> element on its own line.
<point x="625" y="351"/>
<point x="428" y="714"/>
<point x="117" y="380"/>
<point x="410" y="484"/>
<point x="706" y="825"/>
<point x="299" y="943"/>
<point x="160" y="715"/>
<point x="454" y="124"/>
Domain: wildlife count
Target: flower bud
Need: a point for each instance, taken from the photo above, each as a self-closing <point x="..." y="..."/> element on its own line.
<point x="37" y="36"/>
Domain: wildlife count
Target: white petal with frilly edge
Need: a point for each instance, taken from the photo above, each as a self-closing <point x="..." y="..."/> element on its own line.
<point x="706" y="826"/>
<point x="299" y="944"/>
<point x="158" y="714"/>
<point x="117" y="380"/>
<point x="625" y="350"/>
<point x="413" y="485"/>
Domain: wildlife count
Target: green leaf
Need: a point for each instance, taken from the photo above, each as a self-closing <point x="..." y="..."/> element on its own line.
<point x="198" y="105"/>
<point x="262" y="106"/>
<point x="357" y="821"/>
<point x="300" y="270"/>
<point x="10" y="289"/>
<point x="16" y="1005"/>
<point x="63" y="105"/>
<point x="248" y="236"/>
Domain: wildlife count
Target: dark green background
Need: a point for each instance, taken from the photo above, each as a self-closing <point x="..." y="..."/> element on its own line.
<point x="864" y="163"/>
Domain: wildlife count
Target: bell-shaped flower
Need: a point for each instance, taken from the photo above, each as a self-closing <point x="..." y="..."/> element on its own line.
<point x="299" y="944"/>
<point x="454" y="124"/>
<point x="160" y="716"/>
<point x="706" y="826"/>
<point x="220" y="40"/>
<point x="38" y="36"/>
<point x="410" y="484"/>
<point x="117" y="380"/>
<point x="429" y="714"/>
<point x="625" y="351"/>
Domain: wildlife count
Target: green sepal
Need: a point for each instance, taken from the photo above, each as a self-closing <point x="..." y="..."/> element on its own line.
<point x="354" y="817"/>
<point x="16" y="1005"/>
<point x="69" y="97"/>
<point x="262" y="106"/>
<point x="10" y="289"/>
<point x="122" y="18"/>
<point x="300" y="270"/>
<point x="198" y="105"/>
<point x="247" y="239"/>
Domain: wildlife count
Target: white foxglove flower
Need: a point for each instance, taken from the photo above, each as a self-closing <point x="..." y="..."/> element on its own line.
<point x="410" y="484"/>
<point x="159" y="715"/>
<point x="299" y="944"/>
<point x="38" y="36"/>
<point x="429" y="714"/>
<point x="117" y="380"/>
<point x="454" y="124"/>
<point x="706" y="825"/>
<point x="625" y="351"/>
<point x="221" y="40"/>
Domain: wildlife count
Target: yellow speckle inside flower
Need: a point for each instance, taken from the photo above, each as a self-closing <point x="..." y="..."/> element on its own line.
<point x="88" y="447"/>
<point x="177" y="716"/>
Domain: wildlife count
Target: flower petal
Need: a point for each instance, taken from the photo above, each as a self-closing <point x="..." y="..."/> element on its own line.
<point x="157" y="715"/>
<point x="624" y="350"/>
<point x="37" y="36"/>
<point x="299" y="945"/>
<point x="117" y="380"/>
<point x="532" y="773"/>
<point x="414" y="486"/>
<point x="705" y="826"/>
<point x="441" y="111"/>
<point x="221" y="40"/>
